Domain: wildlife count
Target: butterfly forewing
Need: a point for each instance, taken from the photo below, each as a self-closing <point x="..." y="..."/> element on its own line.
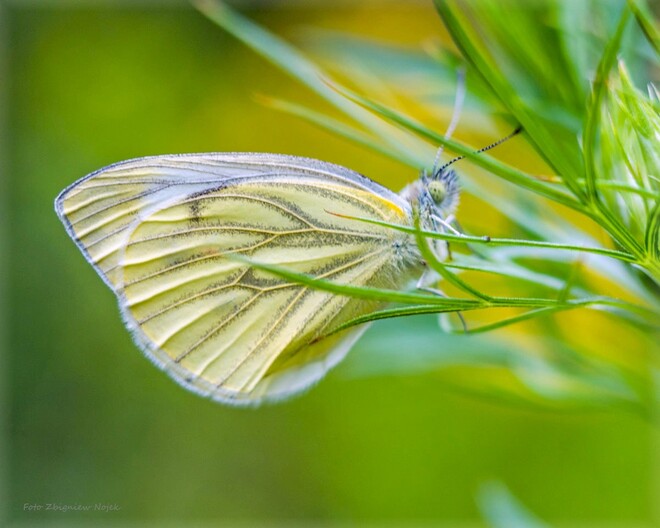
<point x="162" y="232"/>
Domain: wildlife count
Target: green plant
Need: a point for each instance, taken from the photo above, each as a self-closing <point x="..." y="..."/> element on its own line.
<point x="551" y="67"/>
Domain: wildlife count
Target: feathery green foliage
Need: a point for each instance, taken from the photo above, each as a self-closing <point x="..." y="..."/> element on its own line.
<point x="586" y="227"/>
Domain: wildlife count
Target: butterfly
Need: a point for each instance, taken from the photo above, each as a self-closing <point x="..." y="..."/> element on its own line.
<point x="164" y="232"/>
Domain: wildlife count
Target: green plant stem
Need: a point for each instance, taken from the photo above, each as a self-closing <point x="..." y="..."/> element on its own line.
<point x="431" y="260"/>
<point x="616" y="186"/>
<point x="647" y="24"/>
<point x="535" y="310"/>
<point x="445" y="304"/>
<point x="486" y="240"/>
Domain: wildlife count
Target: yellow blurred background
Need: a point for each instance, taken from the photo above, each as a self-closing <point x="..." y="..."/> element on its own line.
<point x="91" y="421"/>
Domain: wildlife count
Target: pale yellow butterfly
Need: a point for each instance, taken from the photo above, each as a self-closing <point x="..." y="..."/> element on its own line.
<point x="159" y="230"/>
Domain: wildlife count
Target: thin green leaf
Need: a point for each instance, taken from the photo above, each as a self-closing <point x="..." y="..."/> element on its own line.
<point x="474" y="50"/>
<point x="571" y="19"/>
<point x="429" y="256"/>
<point x="285" y="56"/>
<point x="530" y="314"/>
<point x="486" y="240"/>
<point x="594" y="114"/>
<point x="565" y="292"/>
<point x="652" y="235"/>
<point x="510" y="270"/>
<point x="616" y="186"/>
<point x="447" y="303"/>
<point x="374" y="294"/>
<point x="646" y="22"/>
<point x="503" y="170"/>
<point x="391" y="313"/>
<point x="334" y="126"/>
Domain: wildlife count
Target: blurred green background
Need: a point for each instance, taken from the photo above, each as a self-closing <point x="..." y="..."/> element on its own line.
<point x="91" y="421"/>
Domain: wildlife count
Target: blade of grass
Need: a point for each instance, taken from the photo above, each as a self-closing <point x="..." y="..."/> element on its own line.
<point x="594" y="112"/>
<point x="565" y="292"/>
<point x="486" y="240"/>
<point x="294" y="63"/>
<point x="503" y="170"/>
<point x="391" y="313"/>
<point x="467" y="40"/>
<point x="374" y="294"/>
<point x="646" y="22"/>
<point x="652" y="235"/>
<point x="530" y="314"/>
<point x="570" y="19"/>
<point x="392" y="296"/>
<point x="447" y="303"/>
<point x="333" y="125"/>
<point x="516" y="210"/>
<point x="510" y="270"/>
<point x="616" y="186"/>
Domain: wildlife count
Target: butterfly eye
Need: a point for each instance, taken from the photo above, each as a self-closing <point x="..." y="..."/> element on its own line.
<point x="438" y="191"/>
<point x="443" y="189"/>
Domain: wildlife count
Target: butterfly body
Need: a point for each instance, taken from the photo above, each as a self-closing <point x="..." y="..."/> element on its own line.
<point x="161" y="232"/>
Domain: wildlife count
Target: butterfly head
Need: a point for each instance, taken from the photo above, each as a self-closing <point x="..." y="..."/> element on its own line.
<point x="443" y="192"/>
<point x="434" y="197"/>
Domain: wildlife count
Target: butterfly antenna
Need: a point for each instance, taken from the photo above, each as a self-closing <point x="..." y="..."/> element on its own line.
<point x="456" y="114"/>
<point x="484" y="149"/>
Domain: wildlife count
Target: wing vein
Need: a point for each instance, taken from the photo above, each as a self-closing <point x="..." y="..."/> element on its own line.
<point x="186" y="300"/>
<point x="273" y="327"/>
<point x="121" y="202"/>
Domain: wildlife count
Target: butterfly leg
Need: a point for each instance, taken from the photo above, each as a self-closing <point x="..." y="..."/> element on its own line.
<point x="446" y="223"/>
<point x="425" y="276"/>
